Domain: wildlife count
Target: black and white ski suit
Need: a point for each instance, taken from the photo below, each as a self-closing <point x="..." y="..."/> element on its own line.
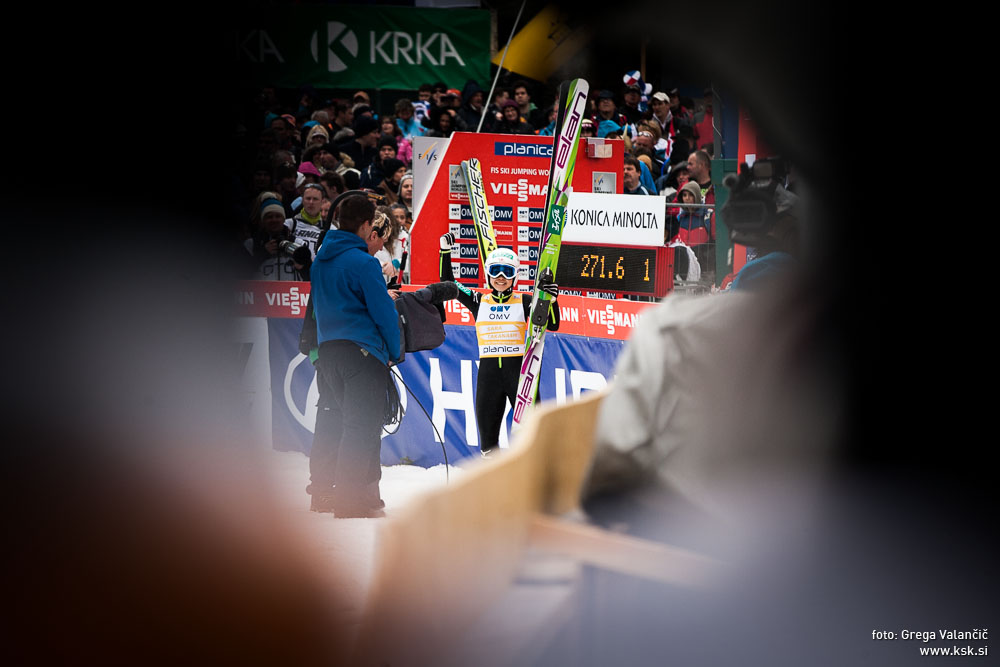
<point x="499" y="361"/>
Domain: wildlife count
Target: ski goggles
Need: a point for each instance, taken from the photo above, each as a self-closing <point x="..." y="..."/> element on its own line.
<point x="505" y="270"/>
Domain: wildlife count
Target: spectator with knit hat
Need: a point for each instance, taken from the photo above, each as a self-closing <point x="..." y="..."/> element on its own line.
<point x="607" y="115"/>
<point x="361" y="148"/>
<point x="405" y="195"/>
<point x="393" y="171"/>
<point x="317" y="136"/>
<point x="630" y="108"/>
<point x="272" y="246"/>
<point x="307" y="174"/>
<point x="512" y="122"/>
<point x="452" y="101"/>
<point x="472" y="105"/>
<point x="372" y="176"/>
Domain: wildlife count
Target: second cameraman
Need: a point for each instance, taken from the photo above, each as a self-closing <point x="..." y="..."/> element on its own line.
<point x="276" y="254"/>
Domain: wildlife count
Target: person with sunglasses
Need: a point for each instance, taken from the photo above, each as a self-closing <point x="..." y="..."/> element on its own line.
<point x="307" y="225"/>
<point x="501" y="323"/>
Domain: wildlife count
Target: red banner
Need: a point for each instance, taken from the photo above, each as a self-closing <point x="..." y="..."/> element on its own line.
<point x="515" y="173"/>
<point x="579" y="316"/>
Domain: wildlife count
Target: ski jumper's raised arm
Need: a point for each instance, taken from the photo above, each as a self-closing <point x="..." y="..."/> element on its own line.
<point x="553" y="324"/>
<point x="468" y="298"/>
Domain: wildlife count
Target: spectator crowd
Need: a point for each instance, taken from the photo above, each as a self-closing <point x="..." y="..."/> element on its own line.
<point x="297" y="158"/>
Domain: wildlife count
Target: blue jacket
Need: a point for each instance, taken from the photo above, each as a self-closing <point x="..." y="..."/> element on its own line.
<point x="349" y="297"/>
<point x="646" y="178"/>
<point x="760" y="272"/>
<point x="411" y="128"/>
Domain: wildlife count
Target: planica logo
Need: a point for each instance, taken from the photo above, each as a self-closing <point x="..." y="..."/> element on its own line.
<point x="335" y="37"/>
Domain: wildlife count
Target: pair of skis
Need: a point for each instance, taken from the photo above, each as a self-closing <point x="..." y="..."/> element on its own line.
<point x="472" y="172"/>
<point x="571" y="108"/>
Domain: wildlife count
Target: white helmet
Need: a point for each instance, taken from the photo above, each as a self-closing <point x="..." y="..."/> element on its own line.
<point x="503" y="257"/>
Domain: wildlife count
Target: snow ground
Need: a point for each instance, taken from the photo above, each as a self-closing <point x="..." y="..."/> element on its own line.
<point x="344" y="549"/>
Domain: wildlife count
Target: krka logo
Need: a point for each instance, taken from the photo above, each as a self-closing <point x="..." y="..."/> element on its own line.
<point x="392" y="47"/>
<point x="336" y="38"/>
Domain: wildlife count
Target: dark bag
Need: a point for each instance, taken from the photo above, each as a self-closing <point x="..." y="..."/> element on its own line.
<point x="421" y="321"/>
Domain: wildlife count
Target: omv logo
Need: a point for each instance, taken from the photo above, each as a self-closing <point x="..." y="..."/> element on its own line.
<point x="340" y="41"/>
<point x="430" y="155"/>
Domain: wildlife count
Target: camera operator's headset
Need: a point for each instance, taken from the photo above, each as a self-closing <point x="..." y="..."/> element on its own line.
<point x="377" y="198"/>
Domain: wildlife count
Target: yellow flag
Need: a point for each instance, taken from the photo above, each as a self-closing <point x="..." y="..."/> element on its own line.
<point x="545" y="43"/>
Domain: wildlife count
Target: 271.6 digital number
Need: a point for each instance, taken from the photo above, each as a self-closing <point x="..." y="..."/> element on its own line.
<point x="591" y="264"/>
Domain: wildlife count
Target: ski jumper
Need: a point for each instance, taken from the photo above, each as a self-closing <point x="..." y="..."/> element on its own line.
<point x="501" y="324"/>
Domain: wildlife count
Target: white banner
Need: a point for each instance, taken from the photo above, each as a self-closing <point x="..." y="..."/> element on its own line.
<point x="428" y="156"/>
<point x="638" y="220"/>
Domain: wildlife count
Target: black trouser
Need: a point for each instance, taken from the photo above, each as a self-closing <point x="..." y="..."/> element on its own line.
<point x="496" y="384"/>
<point x="345" y="458"/>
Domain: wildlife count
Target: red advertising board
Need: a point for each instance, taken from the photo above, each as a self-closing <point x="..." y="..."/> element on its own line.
<point x="516" y="173"/>
<point x="579" y="316"/>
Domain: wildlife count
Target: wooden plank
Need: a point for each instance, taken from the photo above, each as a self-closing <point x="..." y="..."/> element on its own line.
<point x="622" y="553"/>
<point x="445" y="559"/>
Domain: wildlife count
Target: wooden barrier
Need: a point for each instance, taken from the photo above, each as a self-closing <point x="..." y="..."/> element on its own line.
<point x="444" y="560"/>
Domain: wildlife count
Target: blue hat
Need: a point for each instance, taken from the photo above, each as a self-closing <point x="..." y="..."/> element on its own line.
<point x="607" y="126"/>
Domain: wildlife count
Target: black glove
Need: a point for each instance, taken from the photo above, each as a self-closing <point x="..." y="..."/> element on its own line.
<point x="447" y="241"/>
<point x="441" y="292"/>
<point x="551" y="289"/>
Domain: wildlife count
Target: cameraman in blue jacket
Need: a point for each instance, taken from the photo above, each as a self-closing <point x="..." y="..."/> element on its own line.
<point x="358" y="333"/>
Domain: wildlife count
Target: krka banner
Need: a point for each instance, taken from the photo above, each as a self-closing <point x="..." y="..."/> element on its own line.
<point x="364" y="47"/>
